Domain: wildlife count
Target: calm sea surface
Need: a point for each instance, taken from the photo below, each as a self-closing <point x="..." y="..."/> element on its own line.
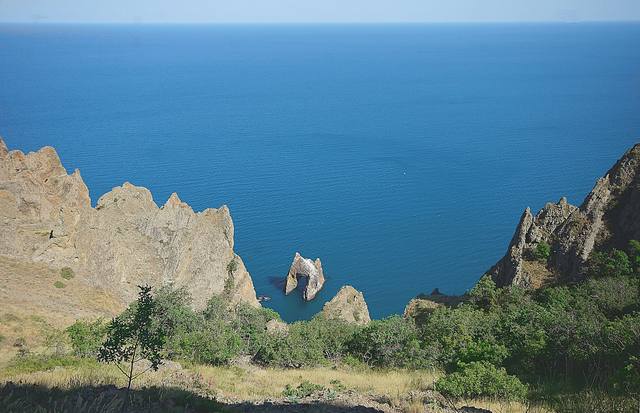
<point x="402" y="156"/>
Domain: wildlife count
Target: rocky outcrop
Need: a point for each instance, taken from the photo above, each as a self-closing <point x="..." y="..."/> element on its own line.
<point x="419" y="309"/>
<point x="304" y="267"/>
<point x="277" y="327"/>
<point x="348" y="305"/>
<point x="608" y="217"/>
<point x="126" y="240"/>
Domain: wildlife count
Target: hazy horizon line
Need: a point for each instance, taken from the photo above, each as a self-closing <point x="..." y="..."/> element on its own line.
<point x="382" y="22"/>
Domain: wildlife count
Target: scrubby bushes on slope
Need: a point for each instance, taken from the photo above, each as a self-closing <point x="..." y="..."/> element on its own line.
<point x="495" y="343"/>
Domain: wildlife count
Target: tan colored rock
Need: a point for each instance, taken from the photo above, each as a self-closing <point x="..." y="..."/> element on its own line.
<point x="125" y="241"/>
<point x="348" y="305"/>
<point x="419" y="309"/>
<point x="277" y="327"/>
<point x="304" y="267"/>
<point x="608" y="217"/>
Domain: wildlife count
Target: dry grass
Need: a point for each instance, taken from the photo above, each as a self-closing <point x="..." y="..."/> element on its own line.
<point x="496" y="406"/>
<point x="26" y="332"/>
<point x="234" y="382"/>
<point x="257" y="383"/>
<point x="252" y="383"/>
<point x="28" y="288"/>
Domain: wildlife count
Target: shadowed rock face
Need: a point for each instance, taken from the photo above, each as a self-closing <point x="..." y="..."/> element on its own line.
<point x="304" y="267"/>
<point x="125" y="241"/>
<point x="608" y="217"/>
<point x="348" y="305"/>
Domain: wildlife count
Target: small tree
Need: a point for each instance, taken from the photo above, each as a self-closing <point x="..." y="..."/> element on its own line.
<point x="229" y="283"/>
<point x="542" y="251"/>
<point x="134" y="336"/>
<point x="484" y="294"/>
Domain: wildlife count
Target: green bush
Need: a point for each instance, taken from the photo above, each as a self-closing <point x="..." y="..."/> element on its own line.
<point x="481" y="379"/>
<point x="214" y="342"/>
<point x="542" y="251"/>
<point x="86" y="337"/>
<point x="448" y="332"/>
<point x="484" y="294"/>
<point x="304" y="389"/>
<point x="634" y="254"/>
<point x="59" y="284"/>
<point x="301" y="346"/>
<point x="391" y="342"/>
<point x="251" y="325"/>
<point x="486" y="351"/>
<point x="67" y="273"/>
<point x="610" y="264"/>
<point x="32" y="363"/>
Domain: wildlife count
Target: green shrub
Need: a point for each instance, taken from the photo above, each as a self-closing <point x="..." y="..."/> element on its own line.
<point x="612" y="295"/>
<point x="59" y="284"/>
<point x="448" y="332"/>
<point x="542" y="251"/>
<point x="301" y="346"/>
<point x="610" y="264"/>
<point x="482" y="350"/>
<point x="634" y="254"/>
<point x="391" y="342"/>
<point x="86" y="337"/>
<point x="250" y="324"/>
<point x="32" y="363"/>
<point x="481" y="379"/>
<point x="484" y="294"/>
<point x="304" y="389"/>
<point x="214" y="342"/>
<point x="173" y="311"/>
<point x="67" y="273"/>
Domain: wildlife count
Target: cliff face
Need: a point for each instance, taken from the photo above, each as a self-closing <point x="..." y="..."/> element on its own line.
<point x="125" y="241"/>
<point x="348" y="305"/>
<point x="608" y="217"/>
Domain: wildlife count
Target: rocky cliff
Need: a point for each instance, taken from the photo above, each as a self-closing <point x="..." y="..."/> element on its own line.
<point x="609" y="217"/>
<point x="347" y="305"/>
<point x="124" y="241"/>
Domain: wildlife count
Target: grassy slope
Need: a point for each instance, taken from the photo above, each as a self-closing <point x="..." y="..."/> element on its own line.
<point x="395" y="389"/>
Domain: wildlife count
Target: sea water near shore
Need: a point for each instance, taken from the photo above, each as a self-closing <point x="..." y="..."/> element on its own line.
<point x="402" y="155"/>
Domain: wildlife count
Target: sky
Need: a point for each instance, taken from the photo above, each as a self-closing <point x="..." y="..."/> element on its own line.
<point x="316" y="11"/>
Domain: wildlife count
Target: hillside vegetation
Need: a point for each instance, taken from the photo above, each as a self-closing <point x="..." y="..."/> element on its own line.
<point x="565" y="347"/>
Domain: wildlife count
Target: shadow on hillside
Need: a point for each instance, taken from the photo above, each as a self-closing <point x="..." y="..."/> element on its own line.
<point x="21" y="397"/>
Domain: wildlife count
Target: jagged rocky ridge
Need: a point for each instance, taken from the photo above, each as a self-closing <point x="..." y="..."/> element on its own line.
<point x="126" y="240"/>
<point x="608" y="218"/>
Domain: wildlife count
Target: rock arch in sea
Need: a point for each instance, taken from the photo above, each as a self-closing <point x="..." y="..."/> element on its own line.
<point x="305" y="267"/>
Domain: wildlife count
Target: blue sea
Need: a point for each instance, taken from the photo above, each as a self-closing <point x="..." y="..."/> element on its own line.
<point x="401" y="155"/>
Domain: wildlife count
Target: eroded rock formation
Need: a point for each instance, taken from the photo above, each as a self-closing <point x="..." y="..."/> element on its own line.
<point x="608" y="217"/>
<point x="348" y="305"/>
<point x="124" y="241"/>
<point x="304" y="267"/>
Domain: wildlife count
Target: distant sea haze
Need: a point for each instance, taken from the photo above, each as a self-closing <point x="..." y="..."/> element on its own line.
<point x="401" y="155"/>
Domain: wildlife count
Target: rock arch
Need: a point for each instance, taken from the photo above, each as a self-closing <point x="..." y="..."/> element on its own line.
<point x="304" y="267"/>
